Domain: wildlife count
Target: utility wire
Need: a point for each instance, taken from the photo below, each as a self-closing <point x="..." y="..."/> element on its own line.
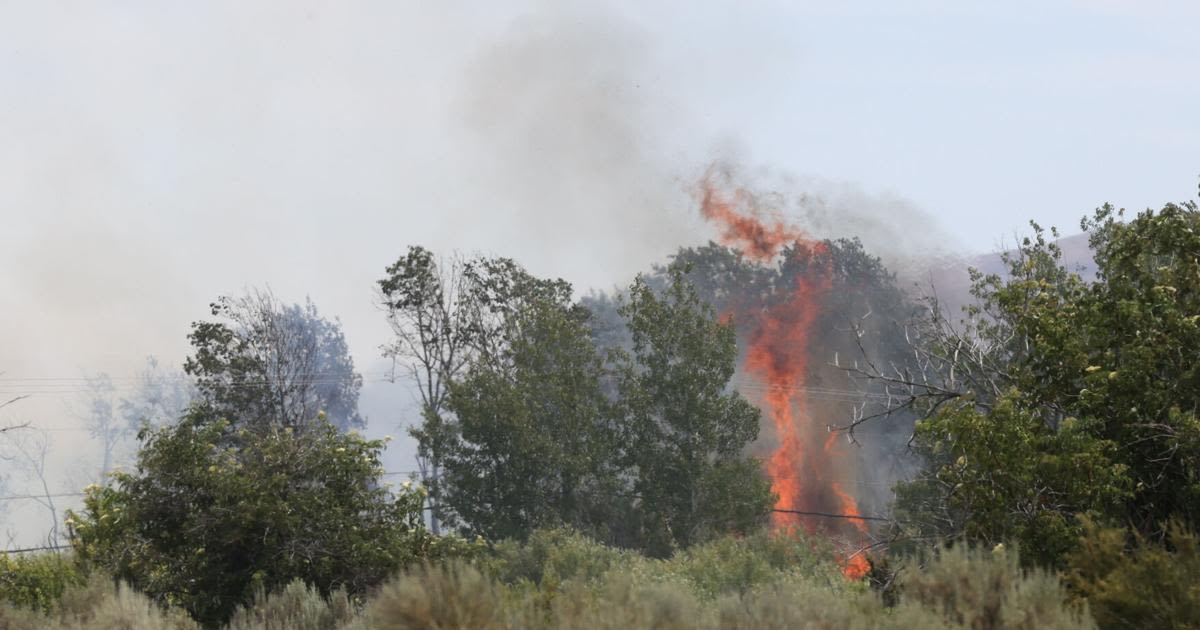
<point x="57" y="495"/>
<point x="28" y="549"/>
<point x="858" y="517"/>
<point x="18" y="497"/>
<point x="797" y="512"/>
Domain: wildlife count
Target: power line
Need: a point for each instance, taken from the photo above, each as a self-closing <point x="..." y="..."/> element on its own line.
<point x="58" y="495"/>
<point x="832" y="515"/>
<point x="178" y="376"/>
<point x="28" y="549"/>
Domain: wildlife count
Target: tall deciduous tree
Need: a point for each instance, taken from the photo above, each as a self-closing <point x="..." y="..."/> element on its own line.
<point x="269" y="364"/>
<point x="532" y="432"/>
<point x="433" y="338"/>
<point x="1059" y="396"/>
<point x="535" y="442"/>
<point x="684" y="430"/>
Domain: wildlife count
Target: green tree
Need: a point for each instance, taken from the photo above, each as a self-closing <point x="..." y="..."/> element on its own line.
<point x="1138" y="583"/>
<point x="535" y="443"/>
<point x="265" y="363"/>
<point x="1059" y="397"/>
<point x="431" y="318"/>
<point x="215" y="512"/>
<point x="683" y="429"/>
<point x="1004" y="475"/>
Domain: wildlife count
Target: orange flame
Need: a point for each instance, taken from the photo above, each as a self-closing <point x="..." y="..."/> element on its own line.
<point x="801" y="467"/>
<point x="745" y="231"/>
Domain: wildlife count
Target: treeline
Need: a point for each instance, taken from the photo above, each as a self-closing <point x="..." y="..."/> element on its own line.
<point x="1050" y="429"/>
<point x="529" y="423"/>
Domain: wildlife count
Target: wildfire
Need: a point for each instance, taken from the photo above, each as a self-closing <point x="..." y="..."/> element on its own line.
<point x="801" y="467"/>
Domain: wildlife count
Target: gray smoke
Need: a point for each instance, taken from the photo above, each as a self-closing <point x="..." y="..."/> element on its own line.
<point x="574" y="135"/>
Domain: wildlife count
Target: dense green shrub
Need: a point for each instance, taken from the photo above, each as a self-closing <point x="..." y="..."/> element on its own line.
<point x="803" y="603"/>
<point x="560" y="579"/>
<point x="298" y="607"/>
<point x="956" y="588"/>
<point x="1005" y="476"/>
<point x="1145" y="584"/>
<point x="623" y="603"/>
<point x="737" y="565"/>
<point x="38" y="580"/>
<point x="98" y="603"/>
<point x="214" y="514"/>
<point x="455" y="595"/>
<point x="974" y="588"/>
<point x="551" y="556"/>
<point x="1061" y="396"/>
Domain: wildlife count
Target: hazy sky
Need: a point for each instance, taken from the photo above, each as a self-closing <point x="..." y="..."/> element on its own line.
<point x="156" y="155"/>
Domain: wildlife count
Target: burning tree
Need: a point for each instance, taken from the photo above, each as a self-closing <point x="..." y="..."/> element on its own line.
<point x="798" y="304"/>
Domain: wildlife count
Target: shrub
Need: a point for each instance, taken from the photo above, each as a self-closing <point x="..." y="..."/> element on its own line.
<point x="1143" y="584"/>
<point x="297" y="607"/>
<point x="456" y="595"/>
<point x="98" y="603"/>
<point x="740" y="564"/>
<point x="38" y="580"/>
<point x="623" y="604"/>
<point x="805" y="603"/>
<point x="974" y="588"/>
<point x="215" y="514"/>
<point x="551" y="556"/>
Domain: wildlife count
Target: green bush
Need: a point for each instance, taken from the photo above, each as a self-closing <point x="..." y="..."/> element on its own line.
<point x="974" y="588"/>
<point x="456" y="595"/>
<point x="551" y="556"/>
<point x="37" y="581"/>
<point x="98" y="603"/>
<point x="622" y="603"/>
<point x="298" y="607"/>
<point x="560" y="579"/>
<point x="1145" y="584"/>
<point x="738" y="565"/>
<point x="215" y="514"/>
<point x="805" y="603"/>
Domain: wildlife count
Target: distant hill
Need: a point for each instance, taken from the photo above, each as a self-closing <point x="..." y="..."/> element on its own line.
<point x="952" y="284"/>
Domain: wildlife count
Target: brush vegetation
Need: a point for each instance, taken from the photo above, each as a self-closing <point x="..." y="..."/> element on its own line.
<point x="592" y="469"/>
<point x="561" y="579"/>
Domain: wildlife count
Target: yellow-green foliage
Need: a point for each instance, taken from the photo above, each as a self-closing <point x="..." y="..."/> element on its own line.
<point x="562" y="580"/>
<point x="215" y="513"/>
<point x="1146" y="585"/>
<point x="101" y="604"/>
<point x="804" y="604"/>
<point x="979" y="589"/>
<point x="298" y="607"/>
<point x="551" y="559"/>
<point x="551" y="556"/>
<point x="37" y="580"/>
<point x="741" y="564"/>
<point x="456" y="595"/>
<point x="753" y="582"/>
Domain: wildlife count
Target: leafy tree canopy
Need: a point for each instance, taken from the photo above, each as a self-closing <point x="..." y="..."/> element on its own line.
<point x="215" y="512"/>
<point x="1060" y="396"/>
<point x="264" y="363"/>
<point x="684" y="431"/>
